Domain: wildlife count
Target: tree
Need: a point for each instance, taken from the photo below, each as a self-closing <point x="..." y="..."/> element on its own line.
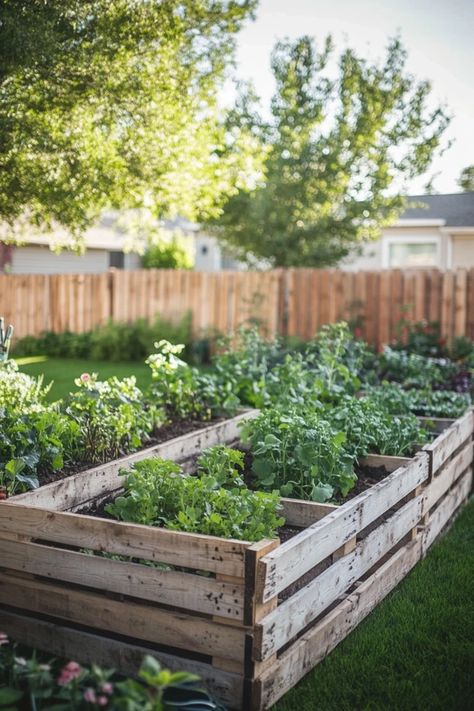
<point x="340" y="153"/>
<point x="113" y="103"/>
<point x="466" y="179"/>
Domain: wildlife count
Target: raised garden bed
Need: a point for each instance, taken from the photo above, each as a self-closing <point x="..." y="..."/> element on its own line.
<point x="263" y="614"/>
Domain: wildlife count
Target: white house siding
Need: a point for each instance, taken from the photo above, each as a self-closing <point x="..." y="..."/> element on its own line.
<point x="377" y="255"/>
<point x="40" y="260"/>
<point x="132" y="261"/>
<point x="463" y="251"/>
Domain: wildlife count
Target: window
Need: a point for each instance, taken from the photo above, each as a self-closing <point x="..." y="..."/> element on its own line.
<point x="116" y="260"/>
<point x="416" y="252"/>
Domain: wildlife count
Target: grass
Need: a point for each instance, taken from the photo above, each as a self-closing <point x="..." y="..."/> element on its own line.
<point x="415" y="651"/>
<point x="63" y="371"/>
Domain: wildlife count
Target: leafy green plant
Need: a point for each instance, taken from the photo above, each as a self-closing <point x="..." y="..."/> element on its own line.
<point x="417" y="371"/>
<point x="182" y="391"/>
<point x="426" y="402"/>
<point x="339" y="360"/>
<point x="32" y="444"/>
<point x="112" y="415"/>
<point x="157" y="494"/>
<point x="300" y="454"/>
<point x="222" y="464"/>
<point x="370" y="428"/>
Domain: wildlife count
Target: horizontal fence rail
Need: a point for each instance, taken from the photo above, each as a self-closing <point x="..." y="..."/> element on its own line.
<point x="295" y="302"/>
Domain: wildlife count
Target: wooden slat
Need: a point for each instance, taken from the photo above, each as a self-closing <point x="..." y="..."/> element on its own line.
<point x="144" y="622"/>
<point x="304" y="513"/>
<point x="446" y="509"/>
<point x="451" y="439"/>
<point x="126" y="657"/>
<point x="448" y="475"/>
<point x="298" y="555"/>
<point x="315" y="644"/>
<point x="195" y="593"/>
<point x="293" y="615"/>
<point x="189" y="550"/>
<point x="78" y="489"/>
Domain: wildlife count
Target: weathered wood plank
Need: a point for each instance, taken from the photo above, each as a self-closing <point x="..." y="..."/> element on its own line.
<point x="125" y="657"/>
<point x="294" y="558"/>
<point x="450" y="440"/>
<point x="80" y="488"/>
<point x="448" y="475"/>
<point x="189" y="550"/>
<point x="321" y="639"/>
<point x="194" y="593"/>
<point x="446" y="509"/>
<point x="292" y="616"/>
<point x="304" y="513"/>
<point x="144" y="622"/>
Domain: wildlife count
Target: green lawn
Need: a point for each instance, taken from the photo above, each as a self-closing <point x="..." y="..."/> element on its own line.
<point x="62" y="372"/>
<point x="415" y="651"/>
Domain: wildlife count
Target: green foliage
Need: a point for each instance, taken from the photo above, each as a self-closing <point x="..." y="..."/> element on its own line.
<point x="115" y="103"/>
<point x="341" y="150"/>
<point x="116" y="342"/>
<point x="20" y="393"/>
<point x="30" y="444"/>
<point x="112" y="416"/>
<point x="32" y="680"/>
<point x="415" y="371"/>
<point x="371" y="429"/>
<point x="426" y="402"/>
<point x="157" y="493"/>
<point x="300" y="454"/>
<point x="466" y="179"/>
<point x="184" y="392"/>
<point x="34" y="437"/>
<point x="171" y="253"/>
<point x="339" y="361"/>
<point x="422" y="337"/>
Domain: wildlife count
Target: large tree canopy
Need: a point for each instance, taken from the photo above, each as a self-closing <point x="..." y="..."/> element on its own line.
<point x="342" y="146"/>
<point x="112" y="103"/>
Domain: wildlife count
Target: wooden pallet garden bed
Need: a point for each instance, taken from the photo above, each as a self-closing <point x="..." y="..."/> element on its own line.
<point x="261" y="616"/>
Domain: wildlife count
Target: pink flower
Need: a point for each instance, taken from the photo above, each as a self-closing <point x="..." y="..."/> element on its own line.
<point x="68" y="673"/>
<point x="3" y="638"/>
<point x="102" y="701"/>
<point x="85" y="377"/>
<point x="89" y="696"/>
<point x="107" y="687"/>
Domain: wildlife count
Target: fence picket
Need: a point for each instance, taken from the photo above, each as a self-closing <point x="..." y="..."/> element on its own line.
<point x="294" y="301"/>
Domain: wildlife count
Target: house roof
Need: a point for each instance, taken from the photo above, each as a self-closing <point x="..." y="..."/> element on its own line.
<point x="456" y="209"/>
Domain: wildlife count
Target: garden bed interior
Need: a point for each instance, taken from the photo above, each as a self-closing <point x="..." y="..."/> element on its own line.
<point x="250" y="618"/>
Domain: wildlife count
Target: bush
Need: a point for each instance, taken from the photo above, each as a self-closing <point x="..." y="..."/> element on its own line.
<point x="113" y="342"/>
<point x="168" y="254"/>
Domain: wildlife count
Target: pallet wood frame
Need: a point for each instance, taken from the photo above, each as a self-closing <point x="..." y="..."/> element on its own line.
<point x="231" y="626"/>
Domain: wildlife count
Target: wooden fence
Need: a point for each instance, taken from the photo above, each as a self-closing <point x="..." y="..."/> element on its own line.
<point x="294" y="302"/>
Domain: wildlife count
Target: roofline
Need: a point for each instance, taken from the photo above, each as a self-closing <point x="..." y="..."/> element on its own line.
<point x="454" y="230"/>
<point x="419" y="222"/>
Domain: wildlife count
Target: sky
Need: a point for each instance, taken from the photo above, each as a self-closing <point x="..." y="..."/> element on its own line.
<point x="439" y="37"/>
